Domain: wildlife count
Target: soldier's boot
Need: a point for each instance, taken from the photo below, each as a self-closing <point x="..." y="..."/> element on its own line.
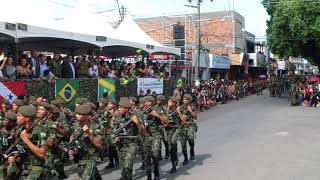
<point x="167" y="150"/>
<point x="173" y="162"/>
<point x="149" y="175"/>
<point x="156" y="168"/>
<point x="192" y="153"/>
<point x="185" y="161"/>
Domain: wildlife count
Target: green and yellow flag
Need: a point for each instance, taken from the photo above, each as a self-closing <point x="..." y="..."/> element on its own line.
<point x="107" y="86"/>
<point x="67" y="90"/>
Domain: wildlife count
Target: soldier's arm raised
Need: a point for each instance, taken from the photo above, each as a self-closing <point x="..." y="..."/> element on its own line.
<point x="95" y="140"/>
<point x="136" y="121"/>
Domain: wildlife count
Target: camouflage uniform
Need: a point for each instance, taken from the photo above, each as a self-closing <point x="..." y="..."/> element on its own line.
<point x="127" y="147"/>
<point x="173" y="134"/>
<point x="151" y="142"/>
<point x="187" y="133"/>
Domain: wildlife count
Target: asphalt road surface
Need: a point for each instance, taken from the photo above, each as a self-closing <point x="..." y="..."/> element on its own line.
<point x="256" y="138"/>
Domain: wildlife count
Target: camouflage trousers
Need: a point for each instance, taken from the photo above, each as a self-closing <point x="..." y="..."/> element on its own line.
<point x="35" y="173"/>
<point x="173" y="135"/>
<point x="187" y="134"/>
<point x="127" y="154"/>
<point x="151" y="147"/>
<point x="88" y="170"/>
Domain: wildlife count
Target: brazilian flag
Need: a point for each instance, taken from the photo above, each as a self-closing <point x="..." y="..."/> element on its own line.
<point x="67" y="90"/>
<point x="107" y="86"/>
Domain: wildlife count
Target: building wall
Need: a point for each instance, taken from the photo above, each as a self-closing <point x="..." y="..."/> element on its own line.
<point x="222" y="32"/>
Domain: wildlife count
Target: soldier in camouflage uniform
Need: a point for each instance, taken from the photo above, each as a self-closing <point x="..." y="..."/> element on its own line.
<point x="152" y="136"/>
<point x="187" y="115"/>
<point x="127" y="141"/>
<point x="137" y="111"/>
<point x="89" y="143"/>
<point x="160" y="107"/>
<point x="173" y="133"/>
<point x="109" y="118"/>
<point x="33" y="149"/>
<point x="6" y="139"/>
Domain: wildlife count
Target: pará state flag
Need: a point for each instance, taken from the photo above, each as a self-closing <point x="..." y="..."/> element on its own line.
<point x="12" y="90"/>
<point x="67" y="90"/>
<point x="107" y="86"/>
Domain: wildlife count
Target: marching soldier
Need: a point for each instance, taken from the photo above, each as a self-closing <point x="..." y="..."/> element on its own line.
<point x="152" y="136"/>
<point x="112" y="151"/>
<point x="33" y="149"/>
<point x="160" y="107"/>
<point x="172" y="129"/>
<point x="89" y="142"/>
<point x="7" y="133"/>
<point x="128" y="139"/>
<point x="16" y="104"/>
<point x="187" y="115"/>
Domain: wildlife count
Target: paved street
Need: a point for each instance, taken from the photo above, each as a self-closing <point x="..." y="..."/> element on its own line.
<point x="257" y="138"/>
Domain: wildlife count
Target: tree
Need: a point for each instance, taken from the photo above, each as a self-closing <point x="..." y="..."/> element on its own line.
<point x="294" y="28"/>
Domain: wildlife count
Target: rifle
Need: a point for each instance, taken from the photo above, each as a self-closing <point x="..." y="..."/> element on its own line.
<point x="119" y="131"/>
<point x="10" y="151"/>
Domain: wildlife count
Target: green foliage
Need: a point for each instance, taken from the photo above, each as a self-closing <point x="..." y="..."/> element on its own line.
<point x="294" y="28"/>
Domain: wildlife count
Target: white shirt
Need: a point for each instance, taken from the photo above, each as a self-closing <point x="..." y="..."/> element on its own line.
<point x="43" y="67"/>
<point x="94" y="71"/>
<point x="73" y="71"/>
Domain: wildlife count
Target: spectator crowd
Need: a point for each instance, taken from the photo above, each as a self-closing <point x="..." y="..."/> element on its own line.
<point x="41" y="67"/>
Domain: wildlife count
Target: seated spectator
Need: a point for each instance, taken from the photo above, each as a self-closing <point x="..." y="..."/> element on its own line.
<point x="9" y="70"/>
<point x="23" y="71"/>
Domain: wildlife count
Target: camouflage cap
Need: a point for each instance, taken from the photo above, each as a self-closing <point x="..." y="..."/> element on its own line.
<point x="112" y="101"/>
<point x="161" y="97"/>
<point x="149" y="98"/>
<point x="55" y="102"/>
<point x="60" y="101"/>
<point x="83" y="109"/>
<point x="188" y="96"/>
<point x="10" y="115"/>
<point x="92" y="105"/>
<point x="134" y="99"/>
<point x="124" y="103"/>
<point x="104" y="101"/>
<point x="81" y="100"/>
<point x="173" y="99"/>
<point x="6" y="102"/>
<point x="33" y="102"/>
<point x="27" y="111"/>
<point x="141" y="100"/>
<point x="18" y="102"/>
<point x="45" y="105"/>
<point x="32" y="98"/>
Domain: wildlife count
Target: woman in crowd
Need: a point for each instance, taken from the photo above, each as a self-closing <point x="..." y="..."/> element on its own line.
<point x="9" y="70"/>
<point x="23" y="71"/>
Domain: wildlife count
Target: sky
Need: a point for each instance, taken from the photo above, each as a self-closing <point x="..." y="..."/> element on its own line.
<point x="45" y="11"/>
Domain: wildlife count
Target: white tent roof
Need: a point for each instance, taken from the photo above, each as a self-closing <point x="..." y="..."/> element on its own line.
<point x="129" y="30"/>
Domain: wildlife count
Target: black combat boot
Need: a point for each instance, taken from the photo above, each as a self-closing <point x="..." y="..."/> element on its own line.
<point x="192" y="153"/>
<point x="186" y="161"/>
<point x="142" y="167"/>
<point x="149" y="175"/>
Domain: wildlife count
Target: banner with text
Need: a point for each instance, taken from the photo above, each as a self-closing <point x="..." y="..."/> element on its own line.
<point x="150" y="84"/>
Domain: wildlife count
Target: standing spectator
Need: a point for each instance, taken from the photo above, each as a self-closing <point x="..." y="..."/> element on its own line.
<point x="23" y="71"/>
<point x="103" y="71"/>
<point x="34" y="64"/>
<point x="83" y="67"/>
<point x="9" y="71"/>
<point x="55" y="65"/>
<point x="43" y="65"/>
<point x="68" y="69"/>
<point x="93" y="70"/>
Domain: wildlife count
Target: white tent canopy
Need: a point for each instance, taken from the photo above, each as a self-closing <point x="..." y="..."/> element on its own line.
<point x="80" y="26"/>
<point x="130" y="30"/>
